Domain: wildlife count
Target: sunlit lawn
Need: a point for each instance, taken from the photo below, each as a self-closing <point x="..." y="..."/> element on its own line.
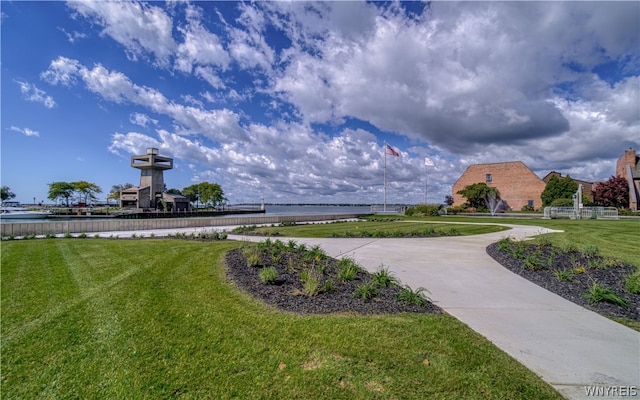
<point x="372" y="228"/>
<point x="103" y="319"/>
<point x="615" y="238"/>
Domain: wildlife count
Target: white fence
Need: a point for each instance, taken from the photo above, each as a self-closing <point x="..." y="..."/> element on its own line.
<point x="389" y="209"/>
<point x="583" y="213"/>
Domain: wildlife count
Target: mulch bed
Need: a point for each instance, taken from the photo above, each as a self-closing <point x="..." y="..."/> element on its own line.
<point x="287" y="294"/>
<point x="540" y="264"/>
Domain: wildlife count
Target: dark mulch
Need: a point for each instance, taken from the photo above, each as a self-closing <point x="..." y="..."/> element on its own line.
<point x="287" y="294"/>
<point x="540" y="264"/>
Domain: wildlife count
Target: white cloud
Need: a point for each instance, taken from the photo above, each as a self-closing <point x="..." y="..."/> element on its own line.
<point x="200" y="47"/>
<point x="32" y="93"/>
<point x="142" y="120"/>
<point x="139" y="27"/>
<point x="209" y="75"/>
<point x="117" y="87"/>
<point x="464" y="82"/>
<point x="72" y="37"/>
<point x="25" y="131"/>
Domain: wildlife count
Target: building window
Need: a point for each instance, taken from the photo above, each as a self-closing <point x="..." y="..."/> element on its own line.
<point x="530" y="203"/>
<point x="488" y="177"/>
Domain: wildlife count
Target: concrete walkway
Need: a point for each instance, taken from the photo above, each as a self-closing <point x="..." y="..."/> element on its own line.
<point x="573" y="349"/>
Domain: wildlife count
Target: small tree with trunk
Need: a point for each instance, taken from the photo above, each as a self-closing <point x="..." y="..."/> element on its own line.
<point x="479" y="194"/>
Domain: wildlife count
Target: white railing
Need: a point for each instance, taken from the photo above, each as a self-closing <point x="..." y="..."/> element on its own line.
<point x="389" y="209"/>
<point x="583" y="213"/>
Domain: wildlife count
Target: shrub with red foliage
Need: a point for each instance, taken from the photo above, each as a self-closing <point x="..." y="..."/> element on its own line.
<point x="612" y="193"/>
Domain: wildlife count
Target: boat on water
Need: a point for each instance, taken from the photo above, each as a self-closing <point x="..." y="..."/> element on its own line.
<point x="13" y="210"/>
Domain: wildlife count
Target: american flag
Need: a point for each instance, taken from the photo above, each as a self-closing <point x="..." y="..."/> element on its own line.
<point x="390" y="150"/>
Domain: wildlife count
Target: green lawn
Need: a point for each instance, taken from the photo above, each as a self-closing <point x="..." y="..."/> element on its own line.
<point x="615" y="238"/>
<point x="364" y="228"/>
<point x="98" y="319"/>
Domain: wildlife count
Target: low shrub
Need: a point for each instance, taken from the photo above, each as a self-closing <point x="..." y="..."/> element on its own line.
<point x="348" y="269"/>
<point x="505" y="245"/>
<point x="563" y="275"/>
<point x="310" y="281"/>
<point x="632" y="283"/>
<point x="410" y="296"/>
<point x="382" y="277"/>
<point x="268" y="275"/>
<point x="598" y="293"/>
<point x="424" y="210"/>
<point x="253" y="256"/>
<point x="329" y="286"/>
<point x="244" y="229"/>
<point x="562" y="203"/>
<point x="533" y="263"/>
<point x="366" y="291"/>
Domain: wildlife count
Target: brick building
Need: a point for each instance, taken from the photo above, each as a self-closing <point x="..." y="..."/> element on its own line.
<point x="628" y="166"/>
<point x="517" y="184"/>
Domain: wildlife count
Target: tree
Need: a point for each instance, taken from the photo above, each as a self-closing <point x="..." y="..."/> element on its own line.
<point x="448" y="200"/>
<point x="478" y="195"/>
<point x="86" y="190"/>
<point x="558" y="188"/>
<point x="613" y="193"/>
<point x="6" y="193"/>
<point x="61" y="190"/>
<point x="174" y="191"/>
<point x="209" y="193"/>
<point x="114" y="193"/>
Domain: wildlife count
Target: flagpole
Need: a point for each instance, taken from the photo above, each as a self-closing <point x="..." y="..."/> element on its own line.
<point x="385" y="177"/>
<point x="425" y="182"/>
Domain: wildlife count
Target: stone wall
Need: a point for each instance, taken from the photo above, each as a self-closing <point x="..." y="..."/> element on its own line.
<point x="105" y="225"/>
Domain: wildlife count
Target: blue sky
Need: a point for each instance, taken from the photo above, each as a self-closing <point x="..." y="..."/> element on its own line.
<point x="293" y="101"/>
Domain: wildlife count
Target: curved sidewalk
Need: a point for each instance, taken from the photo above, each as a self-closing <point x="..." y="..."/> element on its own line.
<point x="573" y="349"/>
<point x="570" y="347"/>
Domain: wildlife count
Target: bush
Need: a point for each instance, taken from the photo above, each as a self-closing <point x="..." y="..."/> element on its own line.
<point x="504" y="245"/>
<point x="632" y="285"/>
<point x="382" y="277"/>
<point x="348" y="269"/>
<point x="253" y="256"/>
<point x="416" y="297"/>
<point x="563" y="275"/>
<point x="562" y="203"/>
<point x="598" y="293"/>
<point x="311" y="282"/>
<point x="527" y="207"/>
<point x="268" y="275"/>
<point x="424" y="210"/>
<point x="366" y="291"/>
